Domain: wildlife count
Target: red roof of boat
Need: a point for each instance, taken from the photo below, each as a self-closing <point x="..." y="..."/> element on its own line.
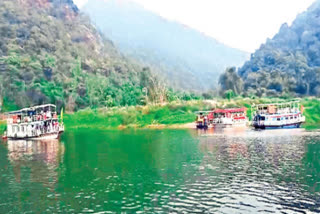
<point x="230" y="110"/>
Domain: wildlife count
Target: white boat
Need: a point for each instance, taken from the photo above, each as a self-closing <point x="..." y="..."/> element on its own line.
<point x="38" y="122"/>
<point x="278" y="115"/>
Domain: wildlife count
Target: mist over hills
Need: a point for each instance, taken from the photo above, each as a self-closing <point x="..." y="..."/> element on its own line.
<point x="289" y="63"/>
<point x="184" y="57"/>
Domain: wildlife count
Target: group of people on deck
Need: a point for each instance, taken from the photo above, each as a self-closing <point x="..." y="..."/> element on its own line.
<point x="33" y="117"/>
<point x="37" y="123"/>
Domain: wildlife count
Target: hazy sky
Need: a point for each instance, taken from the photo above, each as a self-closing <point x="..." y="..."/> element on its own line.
<point x="242" y="24"/>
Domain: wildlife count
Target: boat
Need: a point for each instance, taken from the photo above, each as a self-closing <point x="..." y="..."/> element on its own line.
<point x="204" y="119"/>
<point x="35" y="123"/>
<point x="278" y="115"/>
<point x="230" y="117"/>
<point x="222" y="118"/>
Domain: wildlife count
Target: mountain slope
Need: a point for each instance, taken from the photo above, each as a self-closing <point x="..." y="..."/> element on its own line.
<point x="51" y="53"/>
<point x="290" y="61"/>
<point x="183" y="56"/>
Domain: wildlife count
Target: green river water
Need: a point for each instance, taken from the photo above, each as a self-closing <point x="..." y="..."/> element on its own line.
<point x="163" y="171"/>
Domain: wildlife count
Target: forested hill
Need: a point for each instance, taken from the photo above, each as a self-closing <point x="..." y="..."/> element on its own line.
<point x="289" y="62"/>
<point x="49" y="53"/>
<point x="185" y="57"/>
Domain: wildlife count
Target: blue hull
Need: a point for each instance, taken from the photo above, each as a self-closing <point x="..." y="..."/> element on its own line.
<point x="202" y="125"/>
<point x="289" y="126"/>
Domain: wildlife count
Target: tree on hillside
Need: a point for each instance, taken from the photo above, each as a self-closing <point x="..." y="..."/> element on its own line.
<point x="230" y="80"/>
<point x="288" y="63"/>
<point x="53" y="54"/>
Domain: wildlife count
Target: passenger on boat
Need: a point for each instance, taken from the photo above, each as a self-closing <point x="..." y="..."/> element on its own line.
<point x="48" y="115"/>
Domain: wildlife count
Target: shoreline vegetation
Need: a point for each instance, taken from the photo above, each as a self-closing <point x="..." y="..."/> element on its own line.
<point x="177" y="114"/>
<point x="173" y="115"/>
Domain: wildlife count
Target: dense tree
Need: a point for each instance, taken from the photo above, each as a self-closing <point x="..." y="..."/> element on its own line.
<point x="288" y="63"/>
<point x="230" y="80"/>
<point x="229" y="94"/>
<point x="49" y="52"/>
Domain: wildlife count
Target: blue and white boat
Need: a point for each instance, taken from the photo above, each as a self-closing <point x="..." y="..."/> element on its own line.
<point x="278" y="115"/>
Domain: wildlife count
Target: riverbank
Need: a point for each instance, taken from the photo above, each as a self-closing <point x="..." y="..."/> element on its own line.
<point x="172" y="115"/>
<point x="177" y="114"/>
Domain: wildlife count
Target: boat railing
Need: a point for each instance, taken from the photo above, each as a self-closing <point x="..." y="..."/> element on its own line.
<point x="33" y="118"/>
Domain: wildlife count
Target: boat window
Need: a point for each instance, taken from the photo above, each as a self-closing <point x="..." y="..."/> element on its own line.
<point x="18" y="128"/>
<point x="287" y="118"/>
<point x="262" y="118"/>
<point x="291" y="118"/>
<point x="22" y="128"/>
<point x="295" y="117"/>
<point x="278" y="119"/>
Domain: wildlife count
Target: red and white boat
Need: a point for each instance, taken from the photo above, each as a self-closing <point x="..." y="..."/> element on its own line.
<point x="222" y="118"/>
<point x="229" y="117"/>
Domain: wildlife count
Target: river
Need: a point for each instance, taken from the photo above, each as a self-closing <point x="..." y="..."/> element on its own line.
<point x="162" y="171"/>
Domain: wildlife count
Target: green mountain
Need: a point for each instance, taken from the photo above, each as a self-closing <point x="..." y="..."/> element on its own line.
<point x="186" y="58"/>
<point x="289" y="63"/>
<point x="49" y="52"/>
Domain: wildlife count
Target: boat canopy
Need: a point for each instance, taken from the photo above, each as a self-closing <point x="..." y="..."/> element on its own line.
<point x="15" y="112"/>
<point x="32" y="110"/>
<point x="203" y="112"/>
<point x="229" y="110"/>
<point x="285" y="104"/>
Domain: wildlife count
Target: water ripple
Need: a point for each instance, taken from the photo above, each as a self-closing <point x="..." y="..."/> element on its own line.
<point x="243" y="172"/>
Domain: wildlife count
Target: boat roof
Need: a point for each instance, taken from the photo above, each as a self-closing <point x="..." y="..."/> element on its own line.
<point x="206" y="112"/>
<point x="230" y="110"/>
<point x="276" y="104"/>
<point x="33" y="108"/>
<point x="15" y="112"/>
<point x="278" y="115"/>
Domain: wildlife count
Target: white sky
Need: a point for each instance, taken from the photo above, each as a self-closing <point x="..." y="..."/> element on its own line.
<point x="242" y="24"/>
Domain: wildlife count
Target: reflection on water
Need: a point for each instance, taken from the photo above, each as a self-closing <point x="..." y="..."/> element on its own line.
<point x="42" y="157"/>
<point x="29" y="169"/>
<point x="262" y="171"/>
<point x="24" y="150"/>
<point x="161" y="171"/>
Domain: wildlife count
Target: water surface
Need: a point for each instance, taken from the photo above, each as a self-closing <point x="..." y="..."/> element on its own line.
<point x="161" y="171"/>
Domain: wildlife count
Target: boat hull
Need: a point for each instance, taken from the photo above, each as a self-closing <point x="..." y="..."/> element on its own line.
<point x="220" y="125"/>
<point x="285" y="126"/>
<point x="48" y="136"/>
<point x="228" y="125"/>
<point x="202" y="126"/>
